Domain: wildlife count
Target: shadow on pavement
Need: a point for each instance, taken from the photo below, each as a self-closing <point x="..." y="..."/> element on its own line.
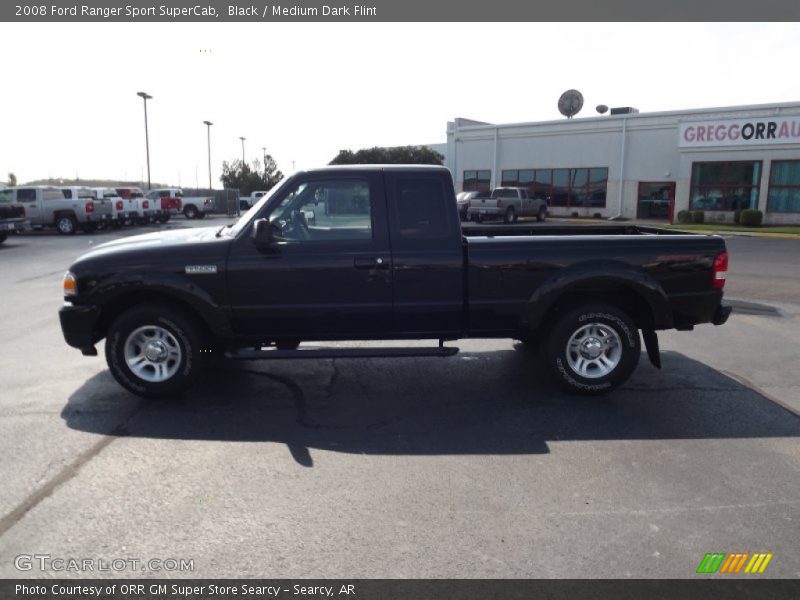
<point x="475" y="403"/>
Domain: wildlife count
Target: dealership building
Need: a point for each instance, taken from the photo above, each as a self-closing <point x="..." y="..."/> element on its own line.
<point x="642" y="165"/>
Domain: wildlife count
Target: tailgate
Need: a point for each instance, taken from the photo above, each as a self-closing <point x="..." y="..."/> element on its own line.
<point x="102" y="207"/>
<point x="11" y="211"/>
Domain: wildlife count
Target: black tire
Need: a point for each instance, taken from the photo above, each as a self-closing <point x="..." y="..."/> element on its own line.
<point x="66" y="224"/>
<point x="3" y="236"/>
<point x="510" y="216"/>
<point x="542" y="214"/>
<point x="562" y="362"/>
<point x="201" y="215"/>
<point x="187" y="335"/>
<point x="190" y="212"/>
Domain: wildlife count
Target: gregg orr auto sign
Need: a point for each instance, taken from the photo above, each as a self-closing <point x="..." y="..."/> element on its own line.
<point x="740" y="132"/>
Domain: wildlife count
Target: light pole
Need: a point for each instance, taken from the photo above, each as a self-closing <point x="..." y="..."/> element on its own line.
<point x="243" y="139"/>
<point x="145" y="96"/>
<point x="208" y="128"/>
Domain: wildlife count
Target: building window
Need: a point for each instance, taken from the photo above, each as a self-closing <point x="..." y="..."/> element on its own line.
<point x="562" y="187"/>
<point x="477" y="181"/>
<point x="725" y="185"/>
<point x="784" y="186"/>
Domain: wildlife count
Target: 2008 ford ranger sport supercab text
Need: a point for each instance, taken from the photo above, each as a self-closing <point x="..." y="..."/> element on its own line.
<point x="378" y="253"/>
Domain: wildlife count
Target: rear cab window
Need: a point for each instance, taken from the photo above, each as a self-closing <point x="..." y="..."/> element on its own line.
<point x="53" y="195"/>
<point x="505" y="193"/>
<point x="422" y="212"/>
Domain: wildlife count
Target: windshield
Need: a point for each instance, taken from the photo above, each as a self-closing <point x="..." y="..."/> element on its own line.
<point x="250" y="215"/>
<point x="6" y="197"/>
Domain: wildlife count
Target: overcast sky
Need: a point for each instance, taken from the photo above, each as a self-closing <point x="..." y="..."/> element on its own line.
<point x="69" y="104"/>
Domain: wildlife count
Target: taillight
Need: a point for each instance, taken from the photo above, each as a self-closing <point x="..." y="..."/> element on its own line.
<point x="145" y="204"/>
<point x="119" y="205"/>
<point x="89" y="207"/>
<point x="720" y="271"/>
<point x="499" y="203"/>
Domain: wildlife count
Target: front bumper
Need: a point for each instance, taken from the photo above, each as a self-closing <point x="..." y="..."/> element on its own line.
<point x="78" y="326"/>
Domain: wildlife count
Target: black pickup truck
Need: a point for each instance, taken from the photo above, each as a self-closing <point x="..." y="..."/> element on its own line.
<point x="378" y="253"/>
<point x="12" y="216"/>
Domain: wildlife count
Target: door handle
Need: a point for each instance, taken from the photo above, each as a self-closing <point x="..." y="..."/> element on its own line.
<point x="368" y="263"/>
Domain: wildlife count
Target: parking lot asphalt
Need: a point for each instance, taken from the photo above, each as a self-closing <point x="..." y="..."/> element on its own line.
<point x="473" y="466"/>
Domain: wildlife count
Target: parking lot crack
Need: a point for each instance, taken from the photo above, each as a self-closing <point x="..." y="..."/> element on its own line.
<point x="67" y="473"/>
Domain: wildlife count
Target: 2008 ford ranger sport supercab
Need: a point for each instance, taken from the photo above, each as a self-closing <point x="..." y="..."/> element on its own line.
<point x="378" y="253"/>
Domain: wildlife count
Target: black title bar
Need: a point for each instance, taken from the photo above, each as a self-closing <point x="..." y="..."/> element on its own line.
<point x="397" y="589"/>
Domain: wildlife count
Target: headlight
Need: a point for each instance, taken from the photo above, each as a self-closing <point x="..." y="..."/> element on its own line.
<point x="70" y="284"/>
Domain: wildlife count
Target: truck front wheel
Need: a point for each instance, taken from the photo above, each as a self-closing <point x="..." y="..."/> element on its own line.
<point x="154" y="351"/>
<point x="593" y="349"/>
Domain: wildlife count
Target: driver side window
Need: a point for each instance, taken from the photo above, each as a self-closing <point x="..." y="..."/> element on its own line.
<point x="339" y="209"/>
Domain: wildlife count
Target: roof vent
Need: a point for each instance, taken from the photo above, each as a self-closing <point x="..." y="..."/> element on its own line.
<point x="624" y="110"/>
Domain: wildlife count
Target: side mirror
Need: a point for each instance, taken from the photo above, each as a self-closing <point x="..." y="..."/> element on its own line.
<point x="262" y="234"/>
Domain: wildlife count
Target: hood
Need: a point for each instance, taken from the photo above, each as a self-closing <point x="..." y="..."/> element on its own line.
<point x="156" y="242"/>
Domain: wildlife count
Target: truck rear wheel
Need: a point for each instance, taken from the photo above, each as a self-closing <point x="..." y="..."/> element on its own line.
<point x="154" y="351"/>
<point x="593" y="349"/>
<point x="190" y="212"/>
<point x="542" y="214"/>
<point x="66" y="224"/>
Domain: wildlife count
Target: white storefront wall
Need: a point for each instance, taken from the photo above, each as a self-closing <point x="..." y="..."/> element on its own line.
<point x="657" y="148"/>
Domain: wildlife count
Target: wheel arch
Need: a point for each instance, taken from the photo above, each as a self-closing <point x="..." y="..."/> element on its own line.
<point x="616" y="284"/>
<point x="195" y="303"/>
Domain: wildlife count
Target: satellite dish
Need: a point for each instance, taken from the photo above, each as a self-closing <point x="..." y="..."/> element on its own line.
<point x="602" y="109"/>
<point x="570" y="103"/>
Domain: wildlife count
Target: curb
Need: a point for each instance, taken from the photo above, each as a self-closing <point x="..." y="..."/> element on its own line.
<point x="746" y="307"/>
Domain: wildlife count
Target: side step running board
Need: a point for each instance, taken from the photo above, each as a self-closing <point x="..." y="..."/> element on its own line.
<point x="376" y="352"/>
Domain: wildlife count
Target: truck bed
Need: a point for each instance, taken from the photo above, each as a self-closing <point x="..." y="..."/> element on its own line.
<point x="529" y="229"/>
<point x="511" y="266"/>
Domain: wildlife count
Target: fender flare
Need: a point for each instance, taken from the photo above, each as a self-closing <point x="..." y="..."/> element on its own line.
<point x="598" y="273"/>
<point x="169" y="286"/>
